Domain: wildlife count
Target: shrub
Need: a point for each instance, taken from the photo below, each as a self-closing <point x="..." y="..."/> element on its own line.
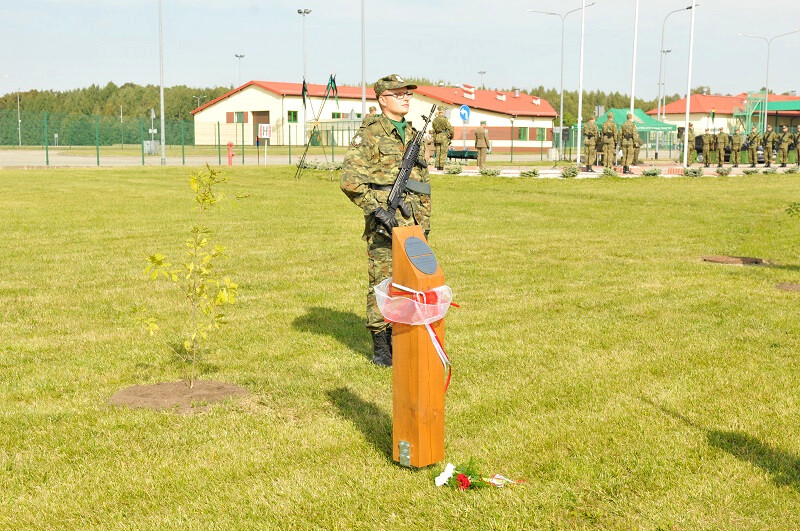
<point x="453" y="169"/>
<point x="307" y="164"/>
<point x="609" y="172"/>
<point x="769" y="171"/>
<point x="693" y="172"/>
<point x="570" y="171"/>
<point x="652" y="172"/>
<point x="750" y="171"/>
<point x="530" y="173"/>
<point x="490" y="172"/>
<point x="792" y="170"/>
<point x="723" y="171"/>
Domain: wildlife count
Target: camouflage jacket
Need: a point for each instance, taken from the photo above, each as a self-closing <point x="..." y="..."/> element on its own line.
<point x="722" y="140"/>
<point x="443" y="131"/>
<point x="770" y="138"/>
<point x="737" y="141"/>
<point x="371" y="166"/>
<point x="628" y="130"/>
<point x="609" y="132"/>
<point x="708" y="140"/>
<point x="591" y="133"/>
<point x="785" y="139"/>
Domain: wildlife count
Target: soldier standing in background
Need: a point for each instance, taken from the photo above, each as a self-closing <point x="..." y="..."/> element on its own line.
<point x="482" y="143"/>
<point x="372" y="117"/>
<point x="708" y="139"/>
<point x="753" y="141"/>
<point x="628" y="132"/>
<point x="443" y="133"/>
<point x="737" y="140"/>
<point x="721" y="143"/>
<point x="369" y="170"/>
<point x="797" y="148"/>
<point x="691" y="151"/>
<point x="637" y="145"/>
<point x="610" y="136"/>
<point x="784" y="141"/>
<point x="770" y="139"/>
<point x="590" y="143"/>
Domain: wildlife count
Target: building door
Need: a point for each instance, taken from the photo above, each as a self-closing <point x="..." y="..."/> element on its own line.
<point x="259" y="117"/>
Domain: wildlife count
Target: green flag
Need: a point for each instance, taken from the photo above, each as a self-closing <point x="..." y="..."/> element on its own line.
<point x="304" y="92"/>
<point x="333" y="88"/>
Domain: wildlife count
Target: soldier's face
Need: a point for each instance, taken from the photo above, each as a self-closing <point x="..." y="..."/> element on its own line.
<point x="395" y="102"/>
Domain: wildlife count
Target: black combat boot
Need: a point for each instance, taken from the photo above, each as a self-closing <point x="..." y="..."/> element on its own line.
<point x="753" y="165"/>
<point x="382" y="348"/>
<point x="783" y="165"/>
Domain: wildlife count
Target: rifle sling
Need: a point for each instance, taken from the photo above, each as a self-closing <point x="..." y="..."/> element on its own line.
<point x="416" y="187"/>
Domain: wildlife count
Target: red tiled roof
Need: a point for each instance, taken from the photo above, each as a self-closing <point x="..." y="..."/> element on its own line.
<point x="524" y="105"/>
<point x="293" y="89"/>
<point x="705" y="103"/>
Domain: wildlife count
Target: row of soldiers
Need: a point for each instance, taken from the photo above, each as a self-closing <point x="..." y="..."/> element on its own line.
<point x="610" y="138"/>
<point x="781" y="142"/>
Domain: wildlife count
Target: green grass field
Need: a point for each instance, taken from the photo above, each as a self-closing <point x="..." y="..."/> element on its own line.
<point x="595" y="355"/>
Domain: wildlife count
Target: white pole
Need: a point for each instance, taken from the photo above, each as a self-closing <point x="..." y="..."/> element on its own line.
<point x="635" y="41"/>
<point x="19" y="120"/>
<point x="580" y="87"/>
<point x="766" y="99"/>
<point x="363" y="60"/>
<point x="161" y="63"/>
<point x="688" y="94"/>
<point x="561" y="105"/>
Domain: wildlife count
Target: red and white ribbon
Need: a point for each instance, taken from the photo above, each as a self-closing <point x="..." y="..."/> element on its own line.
<point x="422" y="297"/>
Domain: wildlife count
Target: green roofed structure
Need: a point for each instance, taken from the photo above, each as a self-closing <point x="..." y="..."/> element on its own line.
<point x="644" y="123"/>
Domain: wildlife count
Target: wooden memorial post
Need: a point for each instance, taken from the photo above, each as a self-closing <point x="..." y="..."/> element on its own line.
<point x="417" y="371"/>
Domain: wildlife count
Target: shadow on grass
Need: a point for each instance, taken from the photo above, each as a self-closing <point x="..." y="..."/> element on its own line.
<point x="373" y="422"/>
<point x="346" y="327"/>
<point x="783" y="466"/>
<point x="787" y="267"/>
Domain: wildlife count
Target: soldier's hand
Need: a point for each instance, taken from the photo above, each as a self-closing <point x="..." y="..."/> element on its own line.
<point x="384" y="219"/>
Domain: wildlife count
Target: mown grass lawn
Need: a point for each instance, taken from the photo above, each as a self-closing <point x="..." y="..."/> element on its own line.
<point x="595" y="355"/>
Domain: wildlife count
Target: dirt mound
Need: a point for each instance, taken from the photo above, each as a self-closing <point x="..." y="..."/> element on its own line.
<point x="177" y="395"/>
<point x="787" y="286"/>
<point x="735" y="260"/>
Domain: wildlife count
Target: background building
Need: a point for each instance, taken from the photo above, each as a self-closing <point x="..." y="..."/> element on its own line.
<point x="235" y="116"/>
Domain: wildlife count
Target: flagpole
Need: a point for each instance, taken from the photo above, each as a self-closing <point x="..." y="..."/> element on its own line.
<point x="301" y="164"/>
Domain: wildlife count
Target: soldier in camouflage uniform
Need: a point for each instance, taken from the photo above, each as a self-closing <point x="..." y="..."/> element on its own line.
<point x="690" y="148"/>
<point x="443" y="133"/>
<point x="610" y="137"/>
<point x="737" y="140"/>
<point x="590" y="144"/>
<point x="770" y="139"/>
<point x="372" y="117"/>
<point x="797" y="148"/>
<point x="708" y="140"/>
<point x="370" y="168"/>
<point x="721" y="143"/>
<point x="628" y="132"/>
<point x="784" y="141"/>
<point x="637" y="146"/>
<point x="753" y="141"/>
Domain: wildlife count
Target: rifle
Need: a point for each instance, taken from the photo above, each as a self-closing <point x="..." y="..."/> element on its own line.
<point x="410" y="159"/>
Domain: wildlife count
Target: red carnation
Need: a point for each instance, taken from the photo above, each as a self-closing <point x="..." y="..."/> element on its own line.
<point x="463" y="482"/>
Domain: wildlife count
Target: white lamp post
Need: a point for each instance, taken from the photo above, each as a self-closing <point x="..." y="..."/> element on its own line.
<point x="561" y="104"/>
<point x="766" y="83"/>
<point x="688" y="91"/>
<point x="239" y="56"/>
<point x="303" y="13"/>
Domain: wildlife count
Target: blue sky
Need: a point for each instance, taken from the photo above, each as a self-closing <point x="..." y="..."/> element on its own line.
<point x="64" y="44"/>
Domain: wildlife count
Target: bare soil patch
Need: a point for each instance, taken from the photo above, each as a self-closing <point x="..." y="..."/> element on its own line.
<point x="177" y="395"/>
<point x="788" y="286"/>
<point x="734" y="260"/>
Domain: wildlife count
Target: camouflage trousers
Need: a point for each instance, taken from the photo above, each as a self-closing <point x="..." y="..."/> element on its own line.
<point x="379" y="251"/>
<point x="690" y="155"/>
<point x="720" y="155"/>
<point x="735" y="156"/>
<point x="752" y="154"/>
<point x="627" y="152"/>
<point x="608" y="154"/>
<point x="706" y="155"/>
<point x="441" y="155"/>
<point x="591" y="153"/>
<point x="783" y="154"/>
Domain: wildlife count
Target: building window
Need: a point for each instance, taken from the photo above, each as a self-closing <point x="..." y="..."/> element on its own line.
<point x="238" y="117"/>
<point x="291" y="117"/>
<point x="358" y="115"/>
<point x="336" y="115"/>
<point x="541" y="134"/>
<point x="522" y="133"/>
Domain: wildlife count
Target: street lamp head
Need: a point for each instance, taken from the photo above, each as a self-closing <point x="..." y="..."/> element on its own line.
<point x="303" y="11"/>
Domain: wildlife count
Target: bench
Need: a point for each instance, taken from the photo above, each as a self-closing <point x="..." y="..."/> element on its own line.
<point x="463" y="154"/>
